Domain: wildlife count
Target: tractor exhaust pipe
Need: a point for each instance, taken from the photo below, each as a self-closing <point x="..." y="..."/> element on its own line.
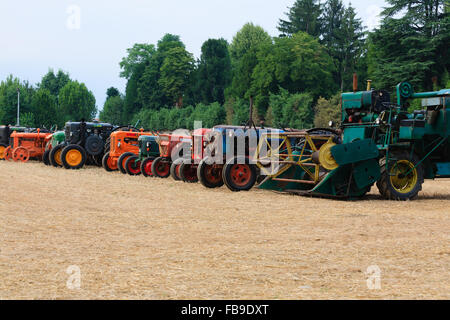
<point x="355" y="82"/>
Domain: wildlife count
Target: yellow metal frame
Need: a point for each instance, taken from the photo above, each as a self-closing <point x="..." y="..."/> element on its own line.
<point x="283" y="154"/>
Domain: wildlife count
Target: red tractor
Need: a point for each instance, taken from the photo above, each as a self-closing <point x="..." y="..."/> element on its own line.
<point x="185" y="168"/>
<point x="169" y="144"/>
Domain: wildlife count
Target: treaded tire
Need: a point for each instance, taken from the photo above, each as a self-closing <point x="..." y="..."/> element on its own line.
<point x="205" y="180"/>
<point x="105" y="164"/>
<point x="158" y="165"/>
<point x="188" y="173"/>
<point x="52" y="155"/>
<point x="173" y="169"/>
<point x="121" y="162"/>
<point x="385" y="186"/>
<point x="248" y="169"/>
<point x="45" y="157"/>
<point x="146" y="164"/>
<point x="66" y="151"/>
<point x="133" y="169"/>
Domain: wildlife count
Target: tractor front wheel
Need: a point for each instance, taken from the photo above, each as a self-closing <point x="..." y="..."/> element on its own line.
<point x="210" y="175"/>
<point x="55" y="156"/>
<point x="46" y="157"/>
<point x="161" y="167"/>
<point x="21" y="154"/>
<point x="175" y="169"/>
<point x="73" y="157"/>
<point x="8" y="154"/>
<point x="401" y="178"/>
<point x="146" y="167"/>
<point x="133" y="166"/>
<point x="188" y="172"/>
<point x="239" y="175"/>
<point x="108" y="163"/>
<point x="122" y="159"/>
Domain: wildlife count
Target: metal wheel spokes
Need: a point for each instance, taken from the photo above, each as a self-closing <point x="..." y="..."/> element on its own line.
<point x="21" y="154"/>
<point x="8" y="154"/>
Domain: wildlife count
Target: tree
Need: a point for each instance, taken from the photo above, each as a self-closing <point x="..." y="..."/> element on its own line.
<point x="175" y="71"/>
<point x="327" y="110"/>
<point x="247" y="39"/>
<point x="297" y="64"/>
<point x="8" y="99"/>
<point x="304" y="16"/>
<point x="113" y="111"/>
<point x="44" y="109"/>
<point x="149" y="93"/>
<point x="112" y="92"/>
<point x="214" y="71"/>
<point x="139" y="54"/>
<point x="54" y="83"/>
<point x="411" y="44"/>
<point x="291" y="110"/>
<point x="76" y="102"/>
<point x="244" y="49"/>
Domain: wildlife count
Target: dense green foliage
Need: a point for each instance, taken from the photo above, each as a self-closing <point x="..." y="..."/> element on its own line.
<point x="294" y="79"/>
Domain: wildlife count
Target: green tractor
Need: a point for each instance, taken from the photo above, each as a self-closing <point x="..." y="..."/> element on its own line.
<point x="142" y="163"/>
<point x="379" y="142"/>
<point x="52" y="154"/>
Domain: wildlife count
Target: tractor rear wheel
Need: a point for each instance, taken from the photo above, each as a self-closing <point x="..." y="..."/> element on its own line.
<point x="73" y="157"/>
<point x="133" y="166"/>
<point x="146" y="167"/>
<point x="55" y="156"/>
<point x="108" y="163"/>
<point x="402" y="178"/>
<point x="122" y="159"/>
<point x="175" y="169"/>
<point x="210" y="175"/>
<point x="161" y="167"/>
<point x="45" y="157"/>
<point x="239" y="175"/>
<point x="188" y="172"/>
<point x="2" y="151"/>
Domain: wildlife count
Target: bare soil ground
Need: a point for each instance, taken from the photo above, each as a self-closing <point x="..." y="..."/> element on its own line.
<point x="138" y="238"/>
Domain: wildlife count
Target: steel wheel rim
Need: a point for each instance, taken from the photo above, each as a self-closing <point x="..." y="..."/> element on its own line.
<point x="74" y="157"/>
<point x="404" y="176"/>
<point x="240" y="174"/>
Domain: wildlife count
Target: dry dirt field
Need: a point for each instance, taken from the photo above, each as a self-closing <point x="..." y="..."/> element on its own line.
<point x="138" y="238"/>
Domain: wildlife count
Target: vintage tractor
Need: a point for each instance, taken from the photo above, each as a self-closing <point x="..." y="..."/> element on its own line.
<point x="123" y="144"/>
<point x="84" y="143"/>
<point x="379" y="142"/>
<point x="5" y="133"/>
<point x="185" y="168"/>
<point x="142" y="163"/>
<point x="228" y="157"/>
<point x="26" y="145"/>
<point x="170" y="145"/>
<point x="52" y="154"/>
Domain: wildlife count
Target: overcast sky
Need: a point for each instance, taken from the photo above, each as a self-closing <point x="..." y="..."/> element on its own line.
<point x="89" y="38"/>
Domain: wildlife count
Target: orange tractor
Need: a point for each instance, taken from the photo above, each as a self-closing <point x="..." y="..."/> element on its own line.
<point x="121" y="146"/>
<point x="25" y="146"/>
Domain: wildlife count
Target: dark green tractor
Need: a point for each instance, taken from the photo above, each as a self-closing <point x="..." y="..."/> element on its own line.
<point x="380" y="143"/>
<point x="142" y="163"/>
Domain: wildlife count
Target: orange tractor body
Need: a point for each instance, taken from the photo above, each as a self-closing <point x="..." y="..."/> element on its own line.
<point x="123" y="144"/>
<point x="26" y="145"/>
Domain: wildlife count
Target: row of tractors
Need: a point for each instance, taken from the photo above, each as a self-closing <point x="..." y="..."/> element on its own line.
<point x="378" y="142"/>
